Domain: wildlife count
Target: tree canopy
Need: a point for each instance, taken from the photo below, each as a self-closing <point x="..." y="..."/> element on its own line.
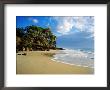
<point x="34" y="38"/>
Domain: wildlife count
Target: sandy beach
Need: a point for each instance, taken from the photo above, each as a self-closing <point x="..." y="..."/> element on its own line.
<point x="39" y="62"/>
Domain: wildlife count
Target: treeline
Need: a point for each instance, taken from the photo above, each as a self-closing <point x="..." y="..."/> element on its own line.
<point x="34" y="38"/>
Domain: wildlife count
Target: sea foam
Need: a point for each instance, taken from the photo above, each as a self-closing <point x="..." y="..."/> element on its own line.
<point x="75" y="57"/>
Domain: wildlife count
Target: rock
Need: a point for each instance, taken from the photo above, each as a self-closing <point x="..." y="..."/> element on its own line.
<point x="24" y="54"/>
<point x="60" y="49"/>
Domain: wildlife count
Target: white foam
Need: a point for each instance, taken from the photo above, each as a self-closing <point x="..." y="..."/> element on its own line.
<point x="75" y="57"/>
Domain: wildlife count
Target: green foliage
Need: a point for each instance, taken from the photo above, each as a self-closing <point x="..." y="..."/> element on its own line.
<point x="35" y="38"/>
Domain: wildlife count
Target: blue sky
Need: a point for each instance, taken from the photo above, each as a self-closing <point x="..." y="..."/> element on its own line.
<point x="71" y="31"/>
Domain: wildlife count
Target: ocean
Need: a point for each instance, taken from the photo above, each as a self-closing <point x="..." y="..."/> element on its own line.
<point x="80" y="57"/>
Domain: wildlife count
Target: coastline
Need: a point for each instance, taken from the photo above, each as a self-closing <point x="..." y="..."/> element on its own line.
<point x="70" y="64"/>
<point x="40" y="62"/>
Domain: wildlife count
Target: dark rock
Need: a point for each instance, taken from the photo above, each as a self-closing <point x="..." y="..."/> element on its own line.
<point x="60" y="49"/>
<point x="24" y="54"/>
<point x="19" y="54"/>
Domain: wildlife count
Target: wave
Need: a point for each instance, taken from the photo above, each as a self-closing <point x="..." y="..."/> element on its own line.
<point x="75" y="57"/>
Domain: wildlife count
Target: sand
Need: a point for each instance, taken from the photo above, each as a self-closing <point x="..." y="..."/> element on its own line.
<point x="39" y="62"/>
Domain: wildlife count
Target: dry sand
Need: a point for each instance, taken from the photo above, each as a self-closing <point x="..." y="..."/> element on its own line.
<point x="39" y="62"/>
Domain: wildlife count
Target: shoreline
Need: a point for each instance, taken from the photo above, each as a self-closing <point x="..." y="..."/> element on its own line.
<point x="40" y="62"/>
<point x="74" y="58"/>
<point x="70" y="64"/>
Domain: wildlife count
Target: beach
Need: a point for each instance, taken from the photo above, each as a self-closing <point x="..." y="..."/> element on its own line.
<point x="40" y="62"/>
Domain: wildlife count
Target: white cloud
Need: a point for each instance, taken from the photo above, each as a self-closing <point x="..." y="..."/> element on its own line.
<point x="67" y="23"/>
<point x="35" y="20"/>
<point x="64" y="24"/>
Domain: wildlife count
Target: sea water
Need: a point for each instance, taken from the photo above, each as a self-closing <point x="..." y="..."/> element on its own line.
<point x="79" y="57"/>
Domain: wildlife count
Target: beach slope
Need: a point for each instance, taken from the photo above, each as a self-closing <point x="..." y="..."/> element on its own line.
<point x="39" y="62"/>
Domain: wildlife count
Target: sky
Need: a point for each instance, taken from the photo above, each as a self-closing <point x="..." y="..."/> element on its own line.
<point x="71" y="31"/>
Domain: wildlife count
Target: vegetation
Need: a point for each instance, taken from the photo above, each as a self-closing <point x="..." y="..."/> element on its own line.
<point x="35" y="38"/>
<point x="49" y="54"/>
